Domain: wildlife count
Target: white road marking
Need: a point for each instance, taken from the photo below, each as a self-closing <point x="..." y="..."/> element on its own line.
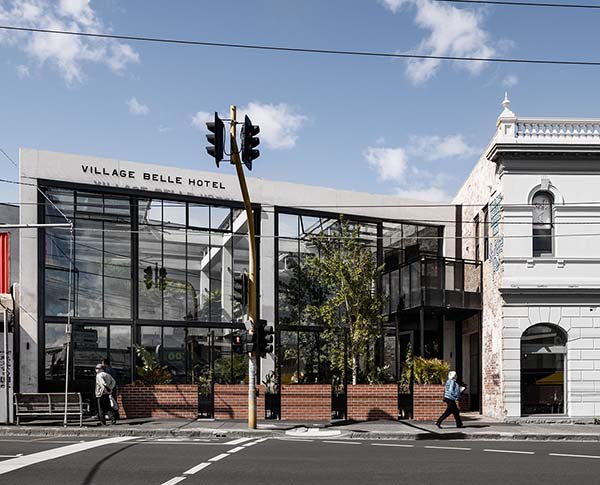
<point x="174" y="480"/>
<point x="255" y="442"/>
<point x="447" y="448"/>
<point x="235" y="450"/>
<point x="294" y="439"/>
<point x="11" y="456"/>
<point x="343" y="442"/>
<point x="238" y="441"/>
<point x="218" y="457"/>
<point x="391" y="444"/>
<point x="27" y="460"/>
<point x="511" y="451"/>
<point x="573" y="456"/>
<point x="196" y="468"/>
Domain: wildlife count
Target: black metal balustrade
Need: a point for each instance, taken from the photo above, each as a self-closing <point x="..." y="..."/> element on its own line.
<point x="435" y="282"/>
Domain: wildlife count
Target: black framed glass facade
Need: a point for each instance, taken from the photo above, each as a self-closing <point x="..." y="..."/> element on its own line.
<point x="148" y="271"/>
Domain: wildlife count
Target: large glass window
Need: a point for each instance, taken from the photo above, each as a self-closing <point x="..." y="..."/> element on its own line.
<point x="542" y="224"/>
<point x="101" y="255"/>
<point x="543" y="351"/>
<point x="188" y="254"/>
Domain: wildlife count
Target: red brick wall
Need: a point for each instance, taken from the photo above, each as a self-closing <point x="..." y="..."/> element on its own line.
<point x="231" y="401"/>
<point x="301" y="402"/>
<point x="370" y="402"/>
<point x="160" y="401"/>
<point x="428" y="404"/>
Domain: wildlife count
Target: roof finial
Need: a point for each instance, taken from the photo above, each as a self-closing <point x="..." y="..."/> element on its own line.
<point x="506" y="113"/>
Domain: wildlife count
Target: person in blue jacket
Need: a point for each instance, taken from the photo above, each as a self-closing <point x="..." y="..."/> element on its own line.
<point x="452" y="393"/>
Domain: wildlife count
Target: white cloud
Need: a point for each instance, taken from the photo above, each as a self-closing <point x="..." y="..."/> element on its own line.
<point x="389" y="163"/>
<point x="429" y="194"/>
<point x="164" y="129"/>
<point x="65" y="53"/>
<point x="200" y="119"/>
<point x="432" y="148"/>
<point x="137" y="108"/>
<point x="453" y="31"/>
<point x="510" y="81"/>
<point x="279" y="123"/>
<point x="22" y="71"/>
<point x="401" y="165"/>
<point x="394" y="5"/>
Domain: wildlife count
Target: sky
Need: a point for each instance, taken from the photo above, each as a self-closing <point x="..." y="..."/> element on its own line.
<point x="409" y="128"/>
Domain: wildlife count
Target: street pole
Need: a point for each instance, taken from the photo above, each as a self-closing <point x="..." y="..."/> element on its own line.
<point x="235" y="158"/>
<point x="6" y="375"/>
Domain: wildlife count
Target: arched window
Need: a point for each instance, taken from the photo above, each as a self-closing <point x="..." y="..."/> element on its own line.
<point x="542" y="223"/>
<point x="543" y="350"/>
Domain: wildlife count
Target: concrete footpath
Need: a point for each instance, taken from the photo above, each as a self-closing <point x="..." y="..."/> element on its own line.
<point x="475" y="429"/>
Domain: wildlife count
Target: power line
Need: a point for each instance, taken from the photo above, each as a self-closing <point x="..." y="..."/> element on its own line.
<point x="9" y="159"/>
<point x="522" y="4"/>
<point x="303" y="49"/>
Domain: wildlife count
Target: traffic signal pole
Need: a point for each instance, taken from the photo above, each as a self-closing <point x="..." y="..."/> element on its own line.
<point x="252" y="277"/>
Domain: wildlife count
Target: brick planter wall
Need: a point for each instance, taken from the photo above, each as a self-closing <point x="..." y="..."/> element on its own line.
<point x="301" y="402"/>
<point x="428" y="404"/>
<point x="160" y="401"/>
<point x="370" y="402"/>
<point x="231" y="401"/>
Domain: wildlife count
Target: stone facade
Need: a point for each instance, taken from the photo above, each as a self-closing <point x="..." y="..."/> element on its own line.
<point x="520" y="290"/>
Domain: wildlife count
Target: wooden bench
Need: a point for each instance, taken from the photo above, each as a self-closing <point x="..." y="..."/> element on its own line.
<point x="37" y="405"/>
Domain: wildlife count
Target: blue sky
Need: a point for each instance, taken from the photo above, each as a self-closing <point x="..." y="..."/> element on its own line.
<point x="366" y="124"/>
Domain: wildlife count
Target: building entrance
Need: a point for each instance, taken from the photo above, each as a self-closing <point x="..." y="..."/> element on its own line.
<point x="543" y="349"/>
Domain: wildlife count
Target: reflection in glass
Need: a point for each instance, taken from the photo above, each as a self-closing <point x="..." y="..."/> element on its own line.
<point x="90" y="347"/>
<point x="120" y="352"/>
<point x="55" y="351"/>
<point x="150" y="262"/>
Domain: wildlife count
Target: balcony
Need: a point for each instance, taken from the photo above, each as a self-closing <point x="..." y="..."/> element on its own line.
<point x="447" y="284"/>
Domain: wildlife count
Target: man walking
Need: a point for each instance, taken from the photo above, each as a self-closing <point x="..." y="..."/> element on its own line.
<point x="452" y="393"/>
<point x="115" y="392"/>
<point x="104" y="386"/>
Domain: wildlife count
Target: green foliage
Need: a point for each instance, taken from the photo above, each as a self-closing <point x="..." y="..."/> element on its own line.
<point x="430" y="371"/>
<point x="231" y="369"/>
<point x="424" y="371"/>
<point x="346" y="269"/>
<point x="150" y="371"/>
<point x="205" y="384"/>
<point x="380" y="375"/>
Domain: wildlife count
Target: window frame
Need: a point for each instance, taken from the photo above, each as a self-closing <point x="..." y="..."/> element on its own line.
<point x="549" y="236"/>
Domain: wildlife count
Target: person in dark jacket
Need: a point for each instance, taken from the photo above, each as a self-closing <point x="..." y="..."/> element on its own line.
<point x="452" y="393"/>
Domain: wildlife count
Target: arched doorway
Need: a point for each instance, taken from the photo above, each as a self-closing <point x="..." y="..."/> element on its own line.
<point x="543" y="351"/>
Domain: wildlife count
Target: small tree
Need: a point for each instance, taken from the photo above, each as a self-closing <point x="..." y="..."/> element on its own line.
<point x="347" y="270"/>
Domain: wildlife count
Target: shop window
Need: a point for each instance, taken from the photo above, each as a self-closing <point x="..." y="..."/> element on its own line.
<point x="543" y="351"/>
<point x="542" y="224"/>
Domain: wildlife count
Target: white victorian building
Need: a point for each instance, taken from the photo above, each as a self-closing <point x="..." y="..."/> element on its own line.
<point x="531" y="212"/>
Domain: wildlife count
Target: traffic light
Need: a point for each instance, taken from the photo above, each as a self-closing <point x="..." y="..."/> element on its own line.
<point x="216" y="139"/>
<point x="251" y="345"/>
<point x="241" y="288"/>
<point x="237" y="343"/>
<point x="148" y="277"/>
<point x="264" y="334"/>
<point x="162" y="278"/>
<point x="249" y="142"/>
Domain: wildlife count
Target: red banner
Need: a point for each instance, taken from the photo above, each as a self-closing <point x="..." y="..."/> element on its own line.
<point x="4" y="287"/>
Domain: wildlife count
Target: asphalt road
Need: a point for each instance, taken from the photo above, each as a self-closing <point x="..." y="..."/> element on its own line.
<point x="70" y="461"/>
